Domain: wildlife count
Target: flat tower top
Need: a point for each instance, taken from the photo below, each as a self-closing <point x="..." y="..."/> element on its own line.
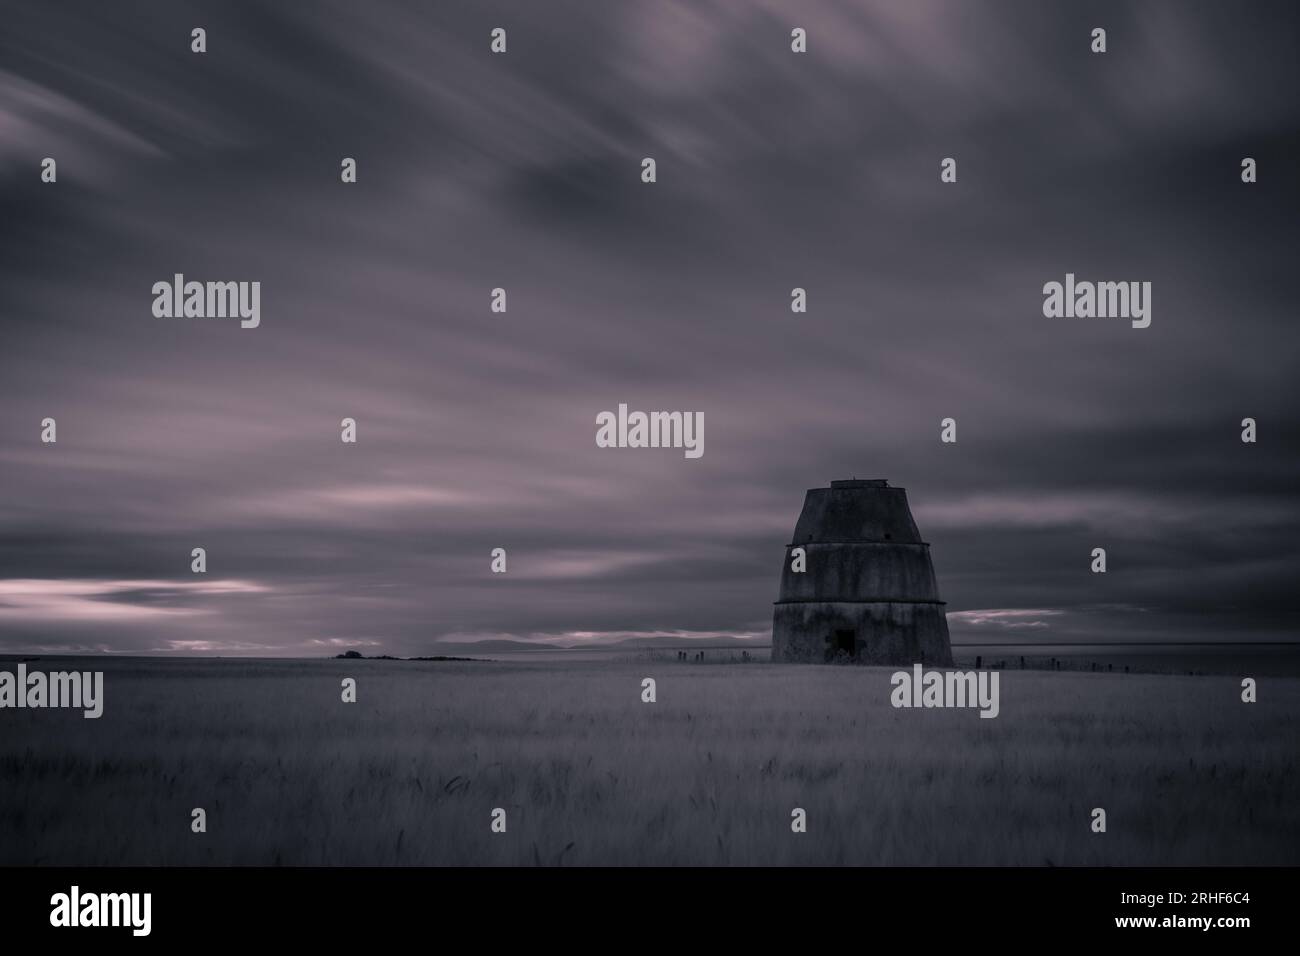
<point x="861" y="483"/>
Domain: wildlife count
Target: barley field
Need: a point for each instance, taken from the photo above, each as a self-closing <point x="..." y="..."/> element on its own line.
<point x="588" y="774"/>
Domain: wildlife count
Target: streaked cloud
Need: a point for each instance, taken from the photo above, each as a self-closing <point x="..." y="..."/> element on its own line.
<point x="1008" y="618"/>
<point x="89" y="601"/>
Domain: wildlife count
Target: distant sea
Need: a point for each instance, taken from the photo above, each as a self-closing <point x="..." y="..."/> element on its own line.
<point x="1246" y="659"/>
<point x="1271" y="659"/>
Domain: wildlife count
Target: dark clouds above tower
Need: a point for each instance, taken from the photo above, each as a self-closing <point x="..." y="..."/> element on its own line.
<point x="522" y="171"/>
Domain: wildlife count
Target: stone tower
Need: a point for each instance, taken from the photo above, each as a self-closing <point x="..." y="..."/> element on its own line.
<point x="868" y="593"/>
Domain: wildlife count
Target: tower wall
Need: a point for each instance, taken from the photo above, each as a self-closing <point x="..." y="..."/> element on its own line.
<point x="869" y="592"/>
<point x="887" y="632"/>
<point x="862" y="571"/>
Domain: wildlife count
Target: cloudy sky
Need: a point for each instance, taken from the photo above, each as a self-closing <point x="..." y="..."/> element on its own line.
<point x="522" y="170"/>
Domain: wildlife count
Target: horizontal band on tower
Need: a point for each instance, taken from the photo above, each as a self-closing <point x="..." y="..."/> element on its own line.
<point x="873" y="600"/>
<point x="890" y="543"/>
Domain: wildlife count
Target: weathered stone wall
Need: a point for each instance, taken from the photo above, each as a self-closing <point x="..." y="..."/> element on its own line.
<point x="886" y="633"/>
<point x="867" y="571"/>
<point x="861" y="571"/>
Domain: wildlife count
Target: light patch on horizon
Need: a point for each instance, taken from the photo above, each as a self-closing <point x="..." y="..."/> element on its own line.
<point x="1011" y="618"/>
<point x="597" y="638"/>
<point x="84" y="600"/>
<point x="344" y="642"/>
<point x="199" y="646"/>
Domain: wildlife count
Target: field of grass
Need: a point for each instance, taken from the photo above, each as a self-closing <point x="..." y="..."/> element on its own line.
<point x="588" y="774"/>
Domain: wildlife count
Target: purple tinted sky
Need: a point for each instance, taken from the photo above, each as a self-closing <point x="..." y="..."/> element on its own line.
<point x="477" y="430"/>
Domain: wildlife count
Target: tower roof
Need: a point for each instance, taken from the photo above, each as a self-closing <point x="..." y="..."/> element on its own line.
<point x="856" y="510"/>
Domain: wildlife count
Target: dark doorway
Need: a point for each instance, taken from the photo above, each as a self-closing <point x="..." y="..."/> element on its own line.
<point x="845" y="643"/>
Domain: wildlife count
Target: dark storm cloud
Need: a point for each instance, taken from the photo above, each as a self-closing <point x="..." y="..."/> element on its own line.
<point x="522" y="171"/>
